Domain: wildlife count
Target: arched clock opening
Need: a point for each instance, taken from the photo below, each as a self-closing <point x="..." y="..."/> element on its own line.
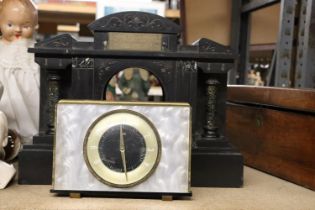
<point x="134" y="84"/>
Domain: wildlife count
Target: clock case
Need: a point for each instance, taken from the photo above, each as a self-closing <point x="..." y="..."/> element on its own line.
<point x="72" y="172"/>
<point x="196" y="74"/>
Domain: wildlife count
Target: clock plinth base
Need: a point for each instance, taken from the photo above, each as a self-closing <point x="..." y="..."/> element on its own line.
<point x="111" y="194"/>
<point x="216" y="164"/>
<point x="35" y="162"/>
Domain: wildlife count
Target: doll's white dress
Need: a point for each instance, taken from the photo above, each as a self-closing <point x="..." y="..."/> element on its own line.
<point x="19" y="75"/>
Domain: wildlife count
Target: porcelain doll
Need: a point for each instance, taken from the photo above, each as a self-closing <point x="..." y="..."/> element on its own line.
<point x="3" y="134"/>
<point x="3" y="130"/>
<point x="18" y="71"/>
<point x="7" y="171"/>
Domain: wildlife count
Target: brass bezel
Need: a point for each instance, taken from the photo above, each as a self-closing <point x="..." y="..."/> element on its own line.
<point x="124" y="103"/>
<point x="106" y="178"/>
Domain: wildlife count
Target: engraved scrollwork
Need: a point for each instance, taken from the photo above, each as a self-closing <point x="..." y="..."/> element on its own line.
<point x="188" y="66"/>
<point x="100" y="80"/>
<point x="163" y="65"/>
<point x="156" y="24"/>
<point x="114" y="22"/>
<point x="208" y="48"/>
<point x="217" y="67"/>
<point x="214" y="48"/>
<point x="206" y="45"/>
<point x="62" y="41"/>
<point x="84" y="63"/>
<point x="105" y="67"/>
<point x="135" y="21"/>
<point x="103" y="74"/>
<point x="165" y="68"/>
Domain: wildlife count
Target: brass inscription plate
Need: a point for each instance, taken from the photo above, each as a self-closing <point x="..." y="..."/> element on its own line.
<point x="134" y="41"/>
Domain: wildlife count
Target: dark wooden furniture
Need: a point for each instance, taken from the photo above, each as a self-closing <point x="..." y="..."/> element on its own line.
<point x="275" y="130"/>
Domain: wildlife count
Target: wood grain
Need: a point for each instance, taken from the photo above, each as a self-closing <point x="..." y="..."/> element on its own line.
<point x="280" y="142"/>
<point x="295" y="99"/>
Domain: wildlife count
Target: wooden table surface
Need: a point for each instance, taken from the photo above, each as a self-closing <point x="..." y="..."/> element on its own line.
<point x="260" y="191"/>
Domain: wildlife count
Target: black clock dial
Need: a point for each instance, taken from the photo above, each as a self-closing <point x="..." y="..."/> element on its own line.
<point x="122" y="148"/>
<point x="110" y="148"/>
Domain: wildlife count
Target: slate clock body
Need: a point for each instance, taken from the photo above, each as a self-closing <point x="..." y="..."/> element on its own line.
<point x="194" y="74"/>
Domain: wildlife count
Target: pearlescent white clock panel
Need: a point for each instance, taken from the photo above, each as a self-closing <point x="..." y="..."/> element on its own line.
<point x="172" y="122"/>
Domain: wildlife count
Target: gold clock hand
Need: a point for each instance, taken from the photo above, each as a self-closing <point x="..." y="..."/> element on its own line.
<point x="122" y="150"/>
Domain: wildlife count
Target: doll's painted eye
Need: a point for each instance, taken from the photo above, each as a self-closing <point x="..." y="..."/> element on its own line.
<point x="10" y="24"/>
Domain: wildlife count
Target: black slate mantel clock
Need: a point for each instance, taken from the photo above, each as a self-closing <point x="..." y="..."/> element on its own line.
<point x="196" y="74"/>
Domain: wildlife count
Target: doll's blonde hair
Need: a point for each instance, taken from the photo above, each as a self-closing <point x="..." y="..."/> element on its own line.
<point x="29" y="5"/>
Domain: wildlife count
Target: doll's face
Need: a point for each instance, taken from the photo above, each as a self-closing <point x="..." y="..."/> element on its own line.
<point x="16" y="22"/>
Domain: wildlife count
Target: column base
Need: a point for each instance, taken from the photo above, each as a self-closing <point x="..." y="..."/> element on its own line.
<point x="215" y="163"/>
<point x="35" y="162"/>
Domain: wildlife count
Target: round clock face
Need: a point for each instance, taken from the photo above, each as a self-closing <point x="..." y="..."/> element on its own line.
<point x="122" y="148"/>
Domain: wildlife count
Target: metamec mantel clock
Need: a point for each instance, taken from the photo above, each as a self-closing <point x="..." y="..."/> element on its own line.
<point x="122" y="148"/>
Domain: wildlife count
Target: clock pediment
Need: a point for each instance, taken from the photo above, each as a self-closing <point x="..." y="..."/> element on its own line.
<point x="138" y="22"/>
<point x="60" y="41"/>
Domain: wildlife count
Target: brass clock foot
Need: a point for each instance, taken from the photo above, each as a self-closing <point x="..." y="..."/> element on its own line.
<point x="167" y="198"/>
<point x="75" y="195"/>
